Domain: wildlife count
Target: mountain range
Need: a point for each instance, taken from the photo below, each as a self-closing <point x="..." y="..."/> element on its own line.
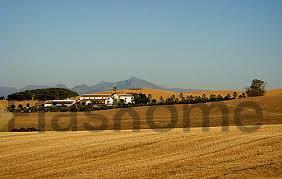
<point x="131" y="83"/>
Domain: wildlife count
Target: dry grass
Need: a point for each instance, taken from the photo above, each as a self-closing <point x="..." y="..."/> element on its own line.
<point x="145" y="154"/>
<point x="156" y="94"/>
<point x="271" y="106"/>
<point x="274" y="92"/>
<point x="5" y="103"/>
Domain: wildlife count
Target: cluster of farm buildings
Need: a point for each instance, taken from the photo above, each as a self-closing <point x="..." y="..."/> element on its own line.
<point x="96" y="99"/>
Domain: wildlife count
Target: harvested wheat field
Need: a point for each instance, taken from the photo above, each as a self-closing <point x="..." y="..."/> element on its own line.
<point x="147" y="153"/>
<point x="4" y="104"/>
<point x="128" y="154"/>
<point x="156" y="93"/>
<point x="162" y="117"/>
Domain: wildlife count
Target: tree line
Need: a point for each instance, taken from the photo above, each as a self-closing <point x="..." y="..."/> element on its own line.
<point x="43" y="94"/>
<point x="257" y="88"/>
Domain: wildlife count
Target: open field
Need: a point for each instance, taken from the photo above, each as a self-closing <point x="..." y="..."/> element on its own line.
<point x="272" y="92"/>
<point x="5" y="103"/>
<point x="146" y="153"/>
<point x="128" y="154"/>
<point x="161" y="118"/>
<point x="156" y="93"/>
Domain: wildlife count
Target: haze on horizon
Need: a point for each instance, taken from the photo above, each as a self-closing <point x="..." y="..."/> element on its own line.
<point x="203" y="44"/>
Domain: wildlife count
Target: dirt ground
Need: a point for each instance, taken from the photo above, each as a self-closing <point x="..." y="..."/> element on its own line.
<point x="144" y="154"/>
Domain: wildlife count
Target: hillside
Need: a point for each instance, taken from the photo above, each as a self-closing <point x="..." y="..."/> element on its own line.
<point x="43" y="94"/>
<point x="131" y="83"/>
<point x="5" y="103"/>
<point x="5" y="91"/>
<point x="271" y="106"/>
<point x="157" y="93"/>
<point x="144" y="154"/>
<point x="274" y="92"/>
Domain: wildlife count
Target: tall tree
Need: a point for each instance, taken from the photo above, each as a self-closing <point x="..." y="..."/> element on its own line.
<point x="243" y="95"/>
<point x="181" y="97"/>
<point x="150" y="97"/>
<point x="235" y="95"/>
<point x="257" y="88"/>
<point x="172" y="98"/>
<point x="161" y="99"/>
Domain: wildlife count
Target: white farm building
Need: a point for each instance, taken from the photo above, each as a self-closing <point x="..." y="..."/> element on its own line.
<point x="58" y="103"/>
<point x="107" y="99"/>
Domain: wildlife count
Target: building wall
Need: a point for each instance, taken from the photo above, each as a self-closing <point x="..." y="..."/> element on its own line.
<point x="110" y="100"/>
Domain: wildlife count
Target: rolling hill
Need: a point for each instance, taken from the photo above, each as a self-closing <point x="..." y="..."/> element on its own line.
<point x="144" y="154"/>
<point x="5" y="91"/>
<point x="147" y="153"/>
<point x="271" y="107"/>
<point x="131" y="83"/>
<point x="157" y="93"/>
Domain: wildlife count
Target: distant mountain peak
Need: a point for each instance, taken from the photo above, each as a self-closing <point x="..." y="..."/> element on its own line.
<point x="60" y="86"/>
<point x="131" y="83"/>
<point x="134" y="78"/>
<point x="5" y="91"/>
<point x="32" y="87"/>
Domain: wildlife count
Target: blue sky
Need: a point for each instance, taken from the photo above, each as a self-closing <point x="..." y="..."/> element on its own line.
<point x="205" y="44"/>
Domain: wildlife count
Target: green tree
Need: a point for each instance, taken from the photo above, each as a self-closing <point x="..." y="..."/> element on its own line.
<point x="243" y="95"/>
<point x="235" y="95"/>
<point x="181" y="97"/>
<point x="161" y="99"/>
<point x="257" y="88"/>
<point x="43" y="94"/>
<point x="227" y="97"/>
<point x="219" y="98"/>
<point x="172" y="98"/>
<point x="140" y="98"/>
<point x="150" y="97"/>
<point x="204" y="98"/>
<point x="20" y="106"/>
<point x="114" y="89"/>
<point x="212" y="97"/>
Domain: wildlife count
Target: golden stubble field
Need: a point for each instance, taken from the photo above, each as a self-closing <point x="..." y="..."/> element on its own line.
<point x="271" y="107"/>
<point x="156" y="93"/>
<point x="145" y="154"/>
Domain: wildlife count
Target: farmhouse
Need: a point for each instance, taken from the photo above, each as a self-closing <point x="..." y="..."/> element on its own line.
<point x="107" y="99"/>
<point x="57" y="103"/>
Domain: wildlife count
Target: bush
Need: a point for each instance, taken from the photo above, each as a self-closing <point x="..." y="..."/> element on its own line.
<point x="257" y="88"/>
<point x="140" y="98"/>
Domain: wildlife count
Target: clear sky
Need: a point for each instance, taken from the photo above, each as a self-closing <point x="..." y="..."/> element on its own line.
<point x="204" y="44"/>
